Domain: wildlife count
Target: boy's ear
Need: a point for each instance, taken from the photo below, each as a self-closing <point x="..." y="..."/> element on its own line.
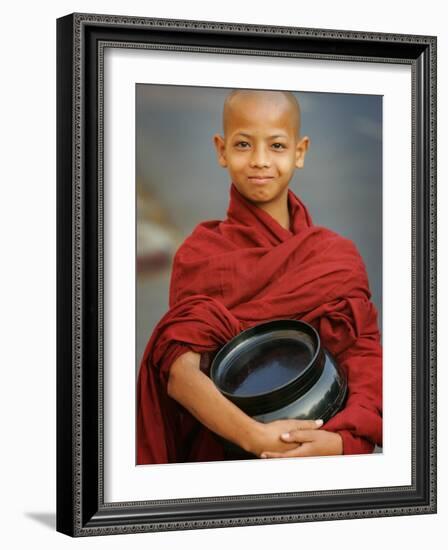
<point x="301" y="149"/>
<point x="218" y="142"/>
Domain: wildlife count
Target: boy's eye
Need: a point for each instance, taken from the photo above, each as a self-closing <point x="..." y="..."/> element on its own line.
<point x="279" y="146"/>
<point x="242" y="144"/>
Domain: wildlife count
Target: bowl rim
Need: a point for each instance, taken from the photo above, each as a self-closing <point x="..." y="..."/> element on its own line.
<point x="231" y="343"/>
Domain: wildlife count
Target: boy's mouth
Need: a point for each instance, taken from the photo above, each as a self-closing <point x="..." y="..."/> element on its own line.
<point x="260" y="179"/>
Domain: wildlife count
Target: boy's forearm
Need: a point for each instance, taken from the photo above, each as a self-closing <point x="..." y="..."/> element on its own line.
<point x="198" y="394"/>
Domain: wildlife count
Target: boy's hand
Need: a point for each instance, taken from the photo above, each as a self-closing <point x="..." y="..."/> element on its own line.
<point x="268" y="436"/>
<point x="311" y="443"/>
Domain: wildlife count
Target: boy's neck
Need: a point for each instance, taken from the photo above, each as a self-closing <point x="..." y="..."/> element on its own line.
<point x="279" y="211"/>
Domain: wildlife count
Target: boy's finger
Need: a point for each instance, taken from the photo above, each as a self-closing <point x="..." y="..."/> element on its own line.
<point x="309" y="424"/>
<point x="307" y="449"/>
<point x="299" y="436"/>
<point x="286" y="454"/>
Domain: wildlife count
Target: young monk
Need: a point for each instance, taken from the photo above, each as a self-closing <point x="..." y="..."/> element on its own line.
<point x="266" y="260"/>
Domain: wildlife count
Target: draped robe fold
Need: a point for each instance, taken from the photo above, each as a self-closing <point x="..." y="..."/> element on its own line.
<point x="230" y="275"/>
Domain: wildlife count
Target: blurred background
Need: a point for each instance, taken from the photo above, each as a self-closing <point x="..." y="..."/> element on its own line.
<point x="180" y="184"/>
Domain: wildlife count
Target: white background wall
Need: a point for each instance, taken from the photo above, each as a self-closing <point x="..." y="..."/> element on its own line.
<point x="28" y="300"/>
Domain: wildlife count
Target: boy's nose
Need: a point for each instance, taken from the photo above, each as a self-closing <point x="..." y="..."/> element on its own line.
<point x="259" y="158"/>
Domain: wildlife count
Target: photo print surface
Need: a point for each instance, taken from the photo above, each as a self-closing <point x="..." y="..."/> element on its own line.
<point x="250" y="212"/>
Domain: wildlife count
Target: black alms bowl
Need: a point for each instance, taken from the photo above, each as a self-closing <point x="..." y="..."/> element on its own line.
<point x="278" y="370"/>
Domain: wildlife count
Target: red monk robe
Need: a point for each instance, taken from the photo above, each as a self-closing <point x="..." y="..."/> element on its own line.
<point x="230" y="275"/>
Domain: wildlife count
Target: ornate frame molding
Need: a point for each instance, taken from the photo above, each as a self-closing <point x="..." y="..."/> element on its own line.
<point x="81" y="42"/>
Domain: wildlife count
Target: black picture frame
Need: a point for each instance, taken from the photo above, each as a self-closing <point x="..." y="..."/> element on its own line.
<point x="81" y="509"/>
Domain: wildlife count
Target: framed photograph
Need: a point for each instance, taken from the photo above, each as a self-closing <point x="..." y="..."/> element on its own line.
<point x="228" y="189"/>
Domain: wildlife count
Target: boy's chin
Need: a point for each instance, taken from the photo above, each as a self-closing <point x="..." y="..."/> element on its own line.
<point x="262" y="195"/>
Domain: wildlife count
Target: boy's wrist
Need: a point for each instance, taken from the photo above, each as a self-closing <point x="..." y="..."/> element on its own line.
<point x="253" y="443"/>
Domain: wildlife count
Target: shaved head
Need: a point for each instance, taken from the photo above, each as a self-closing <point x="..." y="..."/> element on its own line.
<point x="267" y="101"/>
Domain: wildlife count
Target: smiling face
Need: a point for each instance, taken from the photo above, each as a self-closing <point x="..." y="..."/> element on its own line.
<point x="261" y="146"/>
